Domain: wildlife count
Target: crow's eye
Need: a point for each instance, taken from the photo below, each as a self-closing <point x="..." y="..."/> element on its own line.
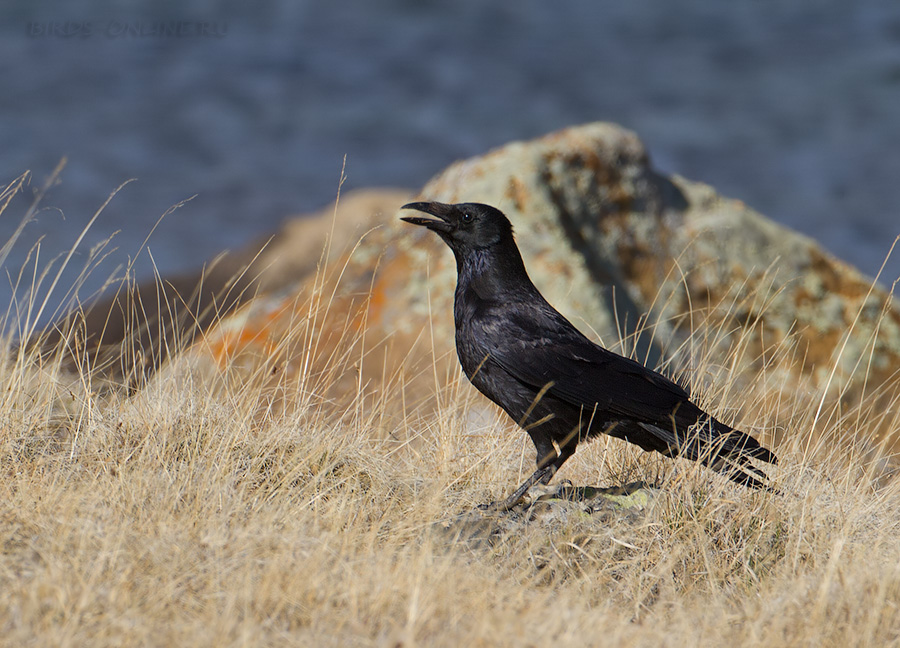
<point x="467" y="217"/>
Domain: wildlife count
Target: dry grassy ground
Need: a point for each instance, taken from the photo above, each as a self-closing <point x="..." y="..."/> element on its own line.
<point x="194" y="513"/>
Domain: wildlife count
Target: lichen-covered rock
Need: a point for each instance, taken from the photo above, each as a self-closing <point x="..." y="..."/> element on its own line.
<point x="607" y="238"/>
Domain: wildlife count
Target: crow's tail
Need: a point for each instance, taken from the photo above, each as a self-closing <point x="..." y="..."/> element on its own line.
<point x="729" y="451"/>
<point x="721" y="448"/>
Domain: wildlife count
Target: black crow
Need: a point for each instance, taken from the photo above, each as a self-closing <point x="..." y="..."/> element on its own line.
<point x="553" y="381"/>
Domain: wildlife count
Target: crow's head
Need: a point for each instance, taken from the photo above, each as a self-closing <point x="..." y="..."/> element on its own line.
<point x="465" y="227"/>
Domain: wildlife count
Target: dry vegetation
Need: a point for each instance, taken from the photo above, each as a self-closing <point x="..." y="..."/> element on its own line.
<point x="192" y="513"/>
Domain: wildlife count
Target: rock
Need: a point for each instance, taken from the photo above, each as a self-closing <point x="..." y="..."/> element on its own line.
<point x="603" y="234"/>
<point x="635" y="496"/>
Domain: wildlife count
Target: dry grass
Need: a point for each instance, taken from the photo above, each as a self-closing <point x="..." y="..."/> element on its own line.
<point x="181" y="516"/>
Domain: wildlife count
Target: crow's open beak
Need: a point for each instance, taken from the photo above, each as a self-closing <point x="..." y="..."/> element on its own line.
<point x="444" y="212"/>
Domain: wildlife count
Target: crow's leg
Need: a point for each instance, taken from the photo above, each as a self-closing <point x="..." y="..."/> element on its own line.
<point x="548" y="462"/>
<point x="542" y="475"/>
<point x="546" y="467"/>
<point x="564" y="453"/>
<point x="546" y="451"/>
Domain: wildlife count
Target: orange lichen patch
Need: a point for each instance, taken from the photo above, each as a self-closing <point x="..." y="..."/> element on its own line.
<point x="517" y="192"/>
<point x="621" y="196"/>
<point x="386" y="287"/>
<point x="605" y="174"/>
<point x="246" y="332"/>
<point x="377" y="301"/>
<point x="391" y="324"/>
<point x="642" y="258"/>
<point x="644" y="269"/>
<point x="591" y="174"/>
<point x="548" y="264"/>
<point x="836" y="280"/>
<point x="819" y="348"/>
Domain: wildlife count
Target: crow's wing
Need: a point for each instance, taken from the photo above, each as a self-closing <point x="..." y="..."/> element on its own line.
<point x="538" y="346"/>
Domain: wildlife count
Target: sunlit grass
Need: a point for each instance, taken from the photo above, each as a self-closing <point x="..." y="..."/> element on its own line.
<point x="249" y="506"/>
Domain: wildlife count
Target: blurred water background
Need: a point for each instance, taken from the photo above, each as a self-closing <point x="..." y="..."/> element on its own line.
<point x="793" y="107"/>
